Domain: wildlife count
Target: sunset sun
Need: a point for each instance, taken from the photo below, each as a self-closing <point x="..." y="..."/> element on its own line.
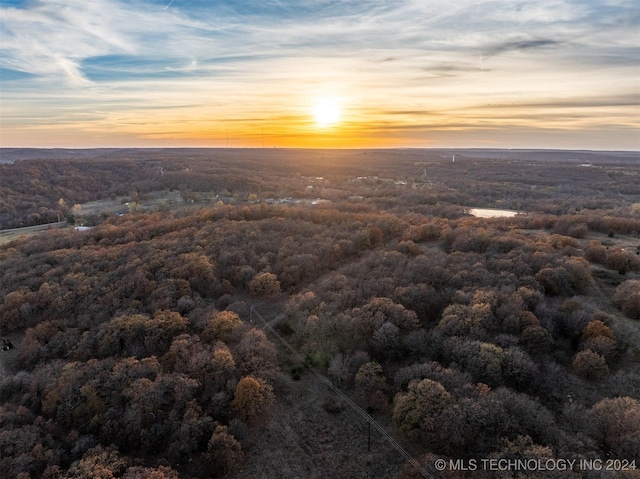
<point x="326" y="112"/>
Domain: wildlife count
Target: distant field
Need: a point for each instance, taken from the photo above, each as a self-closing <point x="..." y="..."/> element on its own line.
<point x="631" y="242"/>
<point x="102" y="206"/>
<point x="153" y="201"/>
<point x="15" y="233"/>
<point x="123" y="204"/>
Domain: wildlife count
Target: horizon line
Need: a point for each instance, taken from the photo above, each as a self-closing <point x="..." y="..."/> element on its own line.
<point x="465" y="148"/>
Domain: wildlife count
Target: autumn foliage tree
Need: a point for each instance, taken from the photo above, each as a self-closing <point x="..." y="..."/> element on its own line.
<point x="627" y="298"/>
<point x="252" y="400"/>
<point x="265" y="285"/>
<point x="616" y="426"/>
<point x="599" y="338"/>
<point x="255" y="354"/>
<point x="191" y="434"/>
<point x="161" y="329"/>
<point x="99" y="462"/>
<point x="224" y="453"/>
<point x="589" y="365"/>
<point x="223" y="326"/>
<point x="370" y="317"/>
<point x="161" y="472"/>
<point x="419" y="412"/>
<point x="371" y="386"/>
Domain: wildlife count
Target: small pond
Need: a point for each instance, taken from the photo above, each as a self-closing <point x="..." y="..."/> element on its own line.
<point x="492" y="213"/>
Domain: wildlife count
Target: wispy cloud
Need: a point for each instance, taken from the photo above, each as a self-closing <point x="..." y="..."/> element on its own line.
<point x="519" y="45"/>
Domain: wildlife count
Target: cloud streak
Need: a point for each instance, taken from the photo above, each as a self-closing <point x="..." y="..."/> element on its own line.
<point x="520" y="45"/>
<point x="102" y="66"/>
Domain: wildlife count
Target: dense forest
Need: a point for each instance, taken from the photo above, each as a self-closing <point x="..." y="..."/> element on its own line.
<point x="191" y="338"/>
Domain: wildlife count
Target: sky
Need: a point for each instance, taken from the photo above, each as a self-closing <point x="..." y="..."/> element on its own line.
<point x="320" y="73"/>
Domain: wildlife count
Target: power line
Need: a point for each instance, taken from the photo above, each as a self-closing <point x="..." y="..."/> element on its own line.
<point x="366" y="416"/>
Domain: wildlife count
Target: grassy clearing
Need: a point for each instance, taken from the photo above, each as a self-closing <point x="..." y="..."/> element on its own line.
<point x="122" y="204"/>
<point x="13" y="234"/>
